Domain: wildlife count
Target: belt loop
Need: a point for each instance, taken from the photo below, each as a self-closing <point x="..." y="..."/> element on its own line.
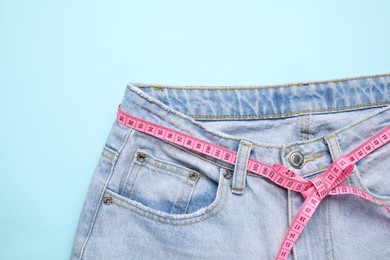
<point x="333" y="145"/>
<point x="335" y="151"/>
<point x="240" y="167"/>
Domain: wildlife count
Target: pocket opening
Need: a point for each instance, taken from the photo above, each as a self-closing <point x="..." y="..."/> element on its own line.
<point x="163" y="185"/>
<point x="204" y="212"/>
<point x="372" y="174"/>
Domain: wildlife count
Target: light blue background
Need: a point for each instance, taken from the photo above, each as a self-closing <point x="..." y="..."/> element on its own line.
<point x="64" y="66"/>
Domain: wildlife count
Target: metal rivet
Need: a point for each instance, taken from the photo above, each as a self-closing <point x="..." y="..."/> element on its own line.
<point x="193" y="176"/>
<point x="227" y="174"/>
<point x="297" y="160"/>
<point x="141" y="156"/>
<point x="107" y="200"/>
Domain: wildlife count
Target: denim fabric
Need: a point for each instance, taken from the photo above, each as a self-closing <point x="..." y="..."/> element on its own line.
<point x="174" y="203"/>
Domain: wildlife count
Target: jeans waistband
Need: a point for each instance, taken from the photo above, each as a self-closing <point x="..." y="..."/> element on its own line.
<point x="178" y="107"/>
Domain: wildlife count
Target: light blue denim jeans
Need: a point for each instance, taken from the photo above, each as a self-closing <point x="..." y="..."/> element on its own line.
<point x="150" y="199"/>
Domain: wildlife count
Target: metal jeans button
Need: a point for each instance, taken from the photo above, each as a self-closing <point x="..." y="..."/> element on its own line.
<point x="227" y="174"/>
<point x="107" y="200"/>
<point x="141" y="156"/>
<point x="194" y="176"/>
<point x="297" y="160"/>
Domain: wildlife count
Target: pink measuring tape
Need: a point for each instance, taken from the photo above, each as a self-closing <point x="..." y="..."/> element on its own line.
<point x="328" y="183"/>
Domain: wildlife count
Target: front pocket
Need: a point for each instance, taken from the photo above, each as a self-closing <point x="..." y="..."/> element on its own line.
<point x="372" y="173"/>
<point x="160" y="185"/>
<point x="210" y="200"/>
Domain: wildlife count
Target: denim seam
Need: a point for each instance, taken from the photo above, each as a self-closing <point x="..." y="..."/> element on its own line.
<point x="314" y="172"/>
<point x="305" y="142"/>
<point x="178" y="205"/>
<point x="91" y="224"/>
<point x="341" y="129"/>
<point x="365" y="189"/>
<point x="152" y="158"/>
<point x="311" y="125"/>
<point x="133" y="182"/>
<point x="288" y="208"/>
<point x="208" y="213"/>
<point x="314" y="156"/>
<point x="323" y="230"/>
<point x="129" y="131"/>
<point x="113" y="162"/>
<point x="187" y="201"/>
<point x="129" y="171"/>
<point x="189" y="196"/>
<point x="290" y="219"/>
<point x="363" y="120"/>
<point x="304" y="83"/>
<point x="306" y="127"/>
<point x="107" y="149"/>
<point x="333" y="138"/>
<point x="368" y="105"/>
<point x="170" y="171"/>
<point x="301" y="128"/>
<point x="105" y="156"/>
<point x="330" y="229"/>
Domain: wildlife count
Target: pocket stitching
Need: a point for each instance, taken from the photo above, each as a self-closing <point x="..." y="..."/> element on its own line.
<point x="190" y="192"/>
<point x="112" y="161"/>
<point x="176" y="220"/>
<point x="138" y="208"/>
<point x="365" y="189"/>
<point x="153" y="158"/>
<point x="178" y="206"/>
<point x="181" y="201"/>
<point x="170" y="172"/>
<point x="134" y="181"/>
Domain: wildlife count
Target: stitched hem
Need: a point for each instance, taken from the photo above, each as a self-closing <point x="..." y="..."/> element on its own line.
<point x="346" y="108"/>
<point x="248" y="87"/>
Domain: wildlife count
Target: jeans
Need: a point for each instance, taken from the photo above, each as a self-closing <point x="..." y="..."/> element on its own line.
<point x="150" y="199"/>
